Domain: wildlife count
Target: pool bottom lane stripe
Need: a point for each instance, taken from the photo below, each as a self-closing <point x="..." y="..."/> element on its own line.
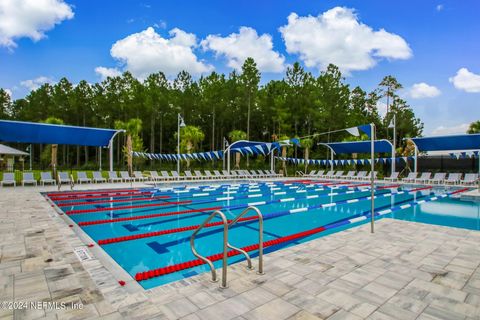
<point x="146" y="275"/>
<point x="110" y="201"/>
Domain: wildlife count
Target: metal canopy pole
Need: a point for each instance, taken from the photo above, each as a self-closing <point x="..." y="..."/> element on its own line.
<point x="110" y="147"/>
<point x="100" y="158"/>
<point x="394" y="142"/>
<point x="372" y="177"/>
<point x="415" y="164"/>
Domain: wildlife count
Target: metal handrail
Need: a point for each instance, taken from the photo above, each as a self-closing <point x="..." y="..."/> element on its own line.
<point x="260" y="239"/>
<point x="225" y="248"/>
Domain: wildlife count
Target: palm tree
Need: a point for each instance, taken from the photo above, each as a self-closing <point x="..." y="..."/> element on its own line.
<point x="306" y="144"/>
<point x="133" y="128"/>
<point x="190" y="137"/>
<point x="284" y="153"/>
<point x="237" y="135"/>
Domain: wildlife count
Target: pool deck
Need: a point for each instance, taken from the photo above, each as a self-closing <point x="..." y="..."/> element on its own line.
<point x="404" y="270"/>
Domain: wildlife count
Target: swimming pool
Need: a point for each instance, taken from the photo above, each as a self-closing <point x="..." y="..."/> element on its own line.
<point x="147" y="231"/>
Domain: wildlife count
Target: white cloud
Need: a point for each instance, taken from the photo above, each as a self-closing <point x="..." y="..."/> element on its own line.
<point x="337" y="36"/>
<point x="382" y="108"/>
<point x="237" y="47"/>
<point x="466" y="80"/>
<point x="147" y="52"/>
<point x="30" y="18"/>
<point x="456" y="129"/>
<point x="439" y="7"/>
<point x="34" y="84"/>
<point x="423" y="90"/>
<point x="104" y="73"/>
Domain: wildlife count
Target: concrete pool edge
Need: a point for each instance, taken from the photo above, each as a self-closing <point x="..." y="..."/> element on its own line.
<point x="165" y="299"/>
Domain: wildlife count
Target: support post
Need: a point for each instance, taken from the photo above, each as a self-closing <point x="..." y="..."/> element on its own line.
<point x="372" y="177"/>
<point x="110" y="148"/>
<point x="100" y="159"/>
<point x="272" y="161"/>
<point x="394" y="142"/>
<point x="415" y="163"/>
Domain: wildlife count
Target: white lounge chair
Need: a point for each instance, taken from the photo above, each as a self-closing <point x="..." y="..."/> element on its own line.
<point x="28" y="179"/>
<point x="125" y="176"/>
<point x="165" y="176"/>
<point x="154" y="176"/>
<point x="97" y="177"/>
<point x="226" y="174"/>
<point x="261" y="174"/>
<point x="274" y="174"/>
<point x="328" y="174"/>
<point x="349" y="175"/>
<point x="470" y="178"/>
<point x="209" y="175"/>
<point x="453" y="178"/>
<point x="63" y="177"/>
<point x="425" y="176"/>
<point x="46" y="177"/>
<point x="360" y="175"/>
<point x="219" y="175"/>
<point x="412" y="176"/>
<point x="113" y="177"/>
<point x="82" y="177"/>
<point x="9" y="178"/>
<point x="138" y="176"/>
<point x="438" y="178"/>
<point x="176" y="176"/>
<point x="198" y="174"/>
<point x="189" y="175"/>
<point x="393" y="177"/>
<point x="319" y="174"/>
<point x="338" y="175"/>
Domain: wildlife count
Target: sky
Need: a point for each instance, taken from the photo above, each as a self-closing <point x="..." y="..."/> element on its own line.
<point x="431" y="47"/>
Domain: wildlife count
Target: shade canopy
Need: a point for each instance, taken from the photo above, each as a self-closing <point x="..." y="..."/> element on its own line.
<point x="31" y="132"/>
<point x="359" y="146"/>
<point x="6" y="150"/>
<point x="253" y="147"/>
<point x="447" y="143"/>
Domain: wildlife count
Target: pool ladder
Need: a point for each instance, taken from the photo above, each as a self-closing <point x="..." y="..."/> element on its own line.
<point x="226" y="245"/>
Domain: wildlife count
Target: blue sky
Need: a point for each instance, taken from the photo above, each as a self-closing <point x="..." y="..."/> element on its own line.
<point x="432" y="47"/>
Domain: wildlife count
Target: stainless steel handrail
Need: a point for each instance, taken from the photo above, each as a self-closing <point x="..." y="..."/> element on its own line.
<point x="225" y="248"/>
<point x="260" y="238"/>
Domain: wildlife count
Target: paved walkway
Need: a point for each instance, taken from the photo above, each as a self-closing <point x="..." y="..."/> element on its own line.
<point x="403" y="271"/>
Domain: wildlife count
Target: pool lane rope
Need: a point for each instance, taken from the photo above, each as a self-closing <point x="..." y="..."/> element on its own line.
<point x="265" y="217"/>
<point x="191" y="202"/>
<point x="95" y="202"/>
<point x="146" y="275"/>
<point x="157" y="215"/>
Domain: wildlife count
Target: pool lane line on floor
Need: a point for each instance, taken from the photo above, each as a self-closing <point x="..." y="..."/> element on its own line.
<point x="239" y="206"/>
<point x="146" y="275"/>
<point x="160" y="204"/>
<point x="266" y="216"/>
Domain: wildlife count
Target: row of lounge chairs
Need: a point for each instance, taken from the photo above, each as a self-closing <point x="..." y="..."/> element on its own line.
<point x="207" y="175"/>
<point x="350" y="175"/>
<point x="425" y="177"/>
<point x="65" y="178"/>
<point x="438" y="178"/>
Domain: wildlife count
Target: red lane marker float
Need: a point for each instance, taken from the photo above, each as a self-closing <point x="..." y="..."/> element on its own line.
<point x="72" y="193"/>
<point x="422" y="188"/>
<point x="110" y="201"/>
<point x="128" y="207"/>
<point x="106" y="195"/>
<point x="390" y="186"/>
<point x="162" y="232"/>
<point x="155" y="215"/>
<point x="193" y="263"/>
<point x="461" y="190"/>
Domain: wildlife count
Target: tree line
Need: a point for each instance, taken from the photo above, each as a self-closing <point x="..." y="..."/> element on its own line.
<point x="219" y="106"/>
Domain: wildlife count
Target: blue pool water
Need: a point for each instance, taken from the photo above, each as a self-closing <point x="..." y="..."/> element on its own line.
<point x="288" y="208"/>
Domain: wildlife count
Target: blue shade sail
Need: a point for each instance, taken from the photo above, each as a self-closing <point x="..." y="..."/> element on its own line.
<point x="31" y="132"/>
<point x="446" y="143"/>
